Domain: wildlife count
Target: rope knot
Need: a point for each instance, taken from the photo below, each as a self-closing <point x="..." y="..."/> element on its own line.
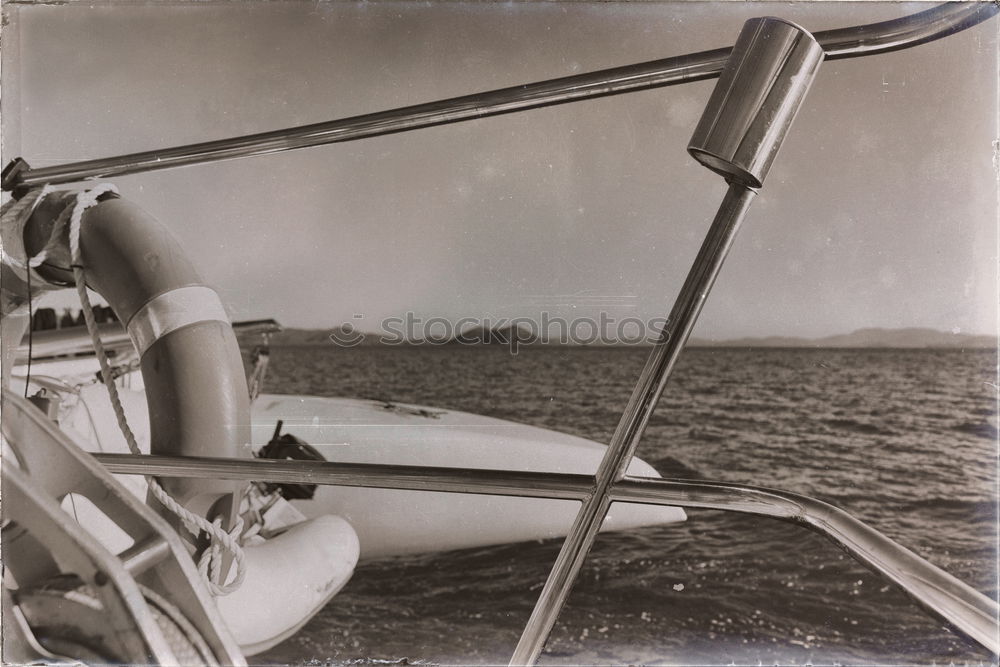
<point x="210" y="563"/>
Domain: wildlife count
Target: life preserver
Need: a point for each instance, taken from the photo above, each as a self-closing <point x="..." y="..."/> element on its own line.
<point x="190" y="359"/>
<point x="197" y="398"/>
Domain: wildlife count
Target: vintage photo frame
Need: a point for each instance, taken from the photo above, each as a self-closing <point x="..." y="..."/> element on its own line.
<point x="421" y="183"/>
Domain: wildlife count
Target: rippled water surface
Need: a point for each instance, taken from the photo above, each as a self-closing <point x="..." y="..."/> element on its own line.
<point x="904" y="439"/>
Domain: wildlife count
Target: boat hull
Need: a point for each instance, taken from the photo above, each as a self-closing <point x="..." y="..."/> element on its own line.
<point x="392" y="522"/>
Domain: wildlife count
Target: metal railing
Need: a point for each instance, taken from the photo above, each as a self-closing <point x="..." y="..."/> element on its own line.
<point x="948" y="598"/>
<point x="850" y="42"/>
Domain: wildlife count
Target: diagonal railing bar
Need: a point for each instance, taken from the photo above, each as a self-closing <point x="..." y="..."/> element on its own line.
<point x="760" y="90"/>
<point x="642" y="402"/>
<point x="851" y="42"/>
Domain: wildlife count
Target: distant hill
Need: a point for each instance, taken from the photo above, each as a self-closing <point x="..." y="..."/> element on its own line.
<point x="476" y="336"/>
<point x="301" y="337"/>
<point x="872" y="337"/>
<point x="894" y="338"/>
<point x="502" y="335"/>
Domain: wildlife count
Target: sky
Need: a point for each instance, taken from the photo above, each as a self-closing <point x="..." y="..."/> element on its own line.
<point x="879" y="211"/>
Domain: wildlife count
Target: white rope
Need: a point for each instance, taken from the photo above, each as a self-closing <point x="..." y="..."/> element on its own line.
<point x="212" y="556"/>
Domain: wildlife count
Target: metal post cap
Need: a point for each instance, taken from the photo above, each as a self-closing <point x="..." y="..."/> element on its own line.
<point x="761" y="87"/>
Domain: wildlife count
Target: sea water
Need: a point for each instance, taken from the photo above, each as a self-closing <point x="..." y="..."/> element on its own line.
<point x="906" y="440"/>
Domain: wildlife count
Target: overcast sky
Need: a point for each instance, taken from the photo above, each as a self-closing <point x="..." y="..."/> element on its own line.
<point x="880" y="210"/>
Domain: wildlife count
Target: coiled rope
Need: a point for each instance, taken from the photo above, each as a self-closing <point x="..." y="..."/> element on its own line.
<point x="210" y="563"/>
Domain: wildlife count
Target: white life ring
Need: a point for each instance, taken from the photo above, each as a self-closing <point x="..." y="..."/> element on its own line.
<point x="198" y="404"/>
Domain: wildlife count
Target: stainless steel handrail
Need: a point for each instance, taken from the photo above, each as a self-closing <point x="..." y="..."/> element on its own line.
<point x="946" y="597"/>
<point x="769" y="72"/>
<point x="850" y="42"/>
<point x="640" y="407"/>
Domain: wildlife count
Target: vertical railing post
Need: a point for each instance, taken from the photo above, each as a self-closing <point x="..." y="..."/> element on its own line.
<point x="759" y="92"/>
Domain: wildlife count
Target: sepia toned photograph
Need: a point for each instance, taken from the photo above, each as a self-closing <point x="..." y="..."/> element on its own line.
<point x="386" y="332"/>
